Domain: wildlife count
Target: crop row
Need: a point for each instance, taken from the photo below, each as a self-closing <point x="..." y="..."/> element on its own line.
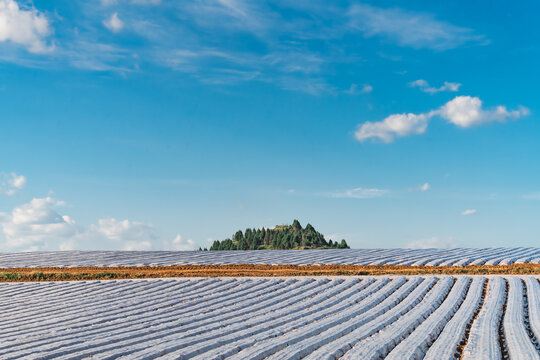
<point x="406" y="257"/>
<point x="415" y="317"/>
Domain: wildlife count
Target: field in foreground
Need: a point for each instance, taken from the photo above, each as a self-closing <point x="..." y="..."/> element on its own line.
<point x="393" y="317"/>
<point x="402" y="257"/>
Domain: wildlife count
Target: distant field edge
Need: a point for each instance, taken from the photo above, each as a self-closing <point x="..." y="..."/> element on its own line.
<point x="251" y="270"/>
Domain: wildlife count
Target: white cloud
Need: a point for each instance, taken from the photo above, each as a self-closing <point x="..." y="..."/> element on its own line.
<point x="360" y="193"/>
<point x="179" y="244"/>
<point x="406" y="28"/>
<point x="422" y="188"/>
<point x="124" y="230"/>
<point x="433" y="242"/>
<point x="11" y="183"/>
<point x="113" y="23"/>
<point x="67" y="245"/>
<point x="466" y="111"/>
<point x="336" y="236"/>
<point x="137" y="246"/>
<point x="396" y="125"/>
<point x="18" y="181"/>
<point x="462" y="111"/>
<point x="38" y="225"/>
<point x="469" y="212"/>
<point x="424" y="86"/>
<point x="366" y="88"/>
<point x="25" y="26"/>
<point x="35" y="223"/>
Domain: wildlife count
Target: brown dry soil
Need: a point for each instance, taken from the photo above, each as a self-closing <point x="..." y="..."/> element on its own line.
<point x="97" y="273"/>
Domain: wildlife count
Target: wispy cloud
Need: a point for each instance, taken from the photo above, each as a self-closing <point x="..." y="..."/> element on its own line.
<point x="359" y="193"/>
<point x="291" y="61"/>
<point x="424" y="86"/>
<point x="424" y="187"/>
<point x="98" y="57"/>
<point x="311" y="86"/>
<point x="10" y="183"/>
<point x="197" y="61"/>
<point x="433" y="242"/>
<point x="134" y="2"/>
<point x="407" y="28"/>
<point x="295" y="46"/>
<point x="294" y="71"/>
<point x="356" y="89"/>
<point x="239" y="15"/>
<point x="113" y="23"/>
<point x="531" y="196"/>
<point x="469" y="212"/>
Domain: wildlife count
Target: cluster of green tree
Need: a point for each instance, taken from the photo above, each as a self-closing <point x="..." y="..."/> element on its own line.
<point x="281" y="237"/>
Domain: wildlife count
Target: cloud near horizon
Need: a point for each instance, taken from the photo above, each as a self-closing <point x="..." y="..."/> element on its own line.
<point x="39" y="225"/>
<point x="462" y="111"/>
<point x="433" y="242"/>
<point x="124" y="229"/>
<point x="30" y="226"/>
<point x="180" y="244"/>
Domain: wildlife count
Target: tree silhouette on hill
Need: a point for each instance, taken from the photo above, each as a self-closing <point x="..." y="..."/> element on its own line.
<point x="280" y="237"/>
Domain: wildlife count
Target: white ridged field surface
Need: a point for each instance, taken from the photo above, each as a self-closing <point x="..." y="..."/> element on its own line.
<point x="412" y="257"/>
<point x="393" y="317"/>
<point x="484" y="340"/>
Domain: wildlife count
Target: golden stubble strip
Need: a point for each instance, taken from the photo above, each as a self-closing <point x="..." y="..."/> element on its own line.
<point x="251" y="270"/>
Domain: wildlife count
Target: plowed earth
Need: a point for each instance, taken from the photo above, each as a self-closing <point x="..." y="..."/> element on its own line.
<point x="134" y="272"/>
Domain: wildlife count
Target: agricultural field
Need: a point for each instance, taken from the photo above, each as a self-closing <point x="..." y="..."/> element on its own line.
<point x="356" y="317"/>
<point x="405" y="257"/>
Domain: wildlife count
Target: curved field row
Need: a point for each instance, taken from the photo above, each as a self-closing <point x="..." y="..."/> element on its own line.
<point x="404" y="257"/>
<point x="393" y="317"/>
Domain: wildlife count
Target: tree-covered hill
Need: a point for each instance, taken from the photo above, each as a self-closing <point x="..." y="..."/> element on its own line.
<point x="280" y="237"/>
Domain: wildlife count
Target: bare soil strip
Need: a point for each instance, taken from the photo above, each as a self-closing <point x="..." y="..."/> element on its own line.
<point x="463" y="343"/>
<point x="502" y="337"/>
<point x="141" y="272"/>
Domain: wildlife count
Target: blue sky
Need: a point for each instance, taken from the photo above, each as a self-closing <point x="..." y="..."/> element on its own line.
<point x="163" y="125"/>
